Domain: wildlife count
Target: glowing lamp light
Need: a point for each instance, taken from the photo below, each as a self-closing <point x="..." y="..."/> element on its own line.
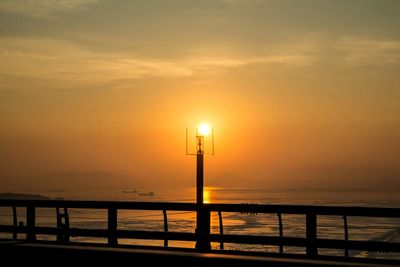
<point x="204" y="129"/>
<point x="204" y="135"/>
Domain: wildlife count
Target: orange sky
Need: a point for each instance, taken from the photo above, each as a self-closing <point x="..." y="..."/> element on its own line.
<point x="300" y="93"/>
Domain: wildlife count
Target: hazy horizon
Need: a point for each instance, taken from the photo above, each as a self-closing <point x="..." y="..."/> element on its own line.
<point x="104" y="180"/>
<point x="301" y="94"/>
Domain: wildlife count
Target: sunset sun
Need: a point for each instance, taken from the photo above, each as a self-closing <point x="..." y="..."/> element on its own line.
<point x="204" y="129"/>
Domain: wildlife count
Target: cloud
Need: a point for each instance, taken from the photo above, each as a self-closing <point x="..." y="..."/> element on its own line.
<point x="242" y="2"/>
<point x="368" y="51"/>
<point x="43" y="8"/>
<point x="57" y="60"/>
<point x="204" y="64"/>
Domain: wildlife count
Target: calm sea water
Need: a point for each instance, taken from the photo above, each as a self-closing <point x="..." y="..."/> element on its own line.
<point x="234" y="223"/>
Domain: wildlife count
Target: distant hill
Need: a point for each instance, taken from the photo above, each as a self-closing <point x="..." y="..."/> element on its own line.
<point x="68" y="180"/>
<point x="22" y="196"/>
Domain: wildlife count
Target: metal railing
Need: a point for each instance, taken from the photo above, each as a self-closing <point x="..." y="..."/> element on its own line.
<point x="310" y="242"/>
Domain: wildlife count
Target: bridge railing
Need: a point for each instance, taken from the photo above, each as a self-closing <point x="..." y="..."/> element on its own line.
<point x="311" y="242"/>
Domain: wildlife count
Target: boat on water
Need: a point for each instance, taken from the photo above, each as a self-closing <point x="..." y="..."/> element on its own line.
<point x="133" y="191"/>
<point x="147" y="194"/>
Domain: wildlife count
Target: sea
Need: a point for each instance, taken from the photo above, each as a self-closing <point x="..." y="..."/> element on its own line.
<point x="360" y="228"/>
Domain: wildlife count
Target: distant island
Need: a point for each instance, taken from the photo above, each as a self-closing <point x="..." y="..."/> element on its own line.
<point x="23" y="196"/>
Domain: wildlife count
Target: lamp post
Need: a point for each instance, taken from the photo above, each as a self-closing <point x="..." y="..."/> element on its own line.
<point x="202" y="212"/>
<point x="200" y="169"/>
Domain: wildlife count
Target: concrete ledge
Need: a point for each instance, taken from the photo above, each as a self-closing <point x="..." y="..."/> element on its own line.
<point x="41" y="254"/>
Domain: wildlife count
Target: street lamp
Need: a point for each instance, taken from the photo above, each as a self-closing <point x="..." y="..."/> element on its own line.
<point x="203" y="132"/>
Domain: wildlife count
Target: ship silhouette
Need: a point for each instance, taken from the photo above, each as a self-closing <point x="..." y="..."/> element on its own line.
<point x="147" y="194"/>
<point x="130" y="191"/>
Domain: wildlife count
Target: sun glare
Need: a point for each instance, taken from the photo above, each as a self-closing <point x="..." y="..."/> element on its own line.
<point x="206" y="196"/>
<point x="204" y="129"/>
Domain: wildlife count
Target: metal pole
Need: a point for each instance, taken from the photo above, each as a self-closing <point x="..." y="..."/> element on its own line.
<point x="199" y="188"/>
<point x="202" y="215"/>
<point x="200" y="179"/>
<point x="199" y="172"/>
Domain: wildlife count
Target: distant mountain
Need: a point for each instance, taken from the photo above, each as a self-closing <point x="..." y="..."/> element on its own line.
<point x="85" y="180"/>
<point x="22" y="196"/>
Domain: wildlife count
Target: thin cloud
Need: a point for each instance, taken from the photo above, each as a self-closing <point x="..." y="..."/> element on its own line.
<point x="289" y="59"/>
<point x="52" y="61"/>
<point x="57" y="60"/>
<point x="242" y="2"/>
<point x="43" y="8"/>
<point x="368" y="51"/>
<point x="204" y="64"/>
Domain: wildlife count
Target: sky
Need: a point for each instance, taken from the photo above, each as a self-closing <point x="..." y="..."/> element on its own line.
<point x="300" y="93"/>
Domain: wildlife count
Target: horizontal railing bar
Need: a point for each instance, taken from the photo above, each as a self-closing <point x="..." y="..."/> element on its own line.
<point x="259" y="240"/>
<point x="155" y="235"/>
<point x="302" y="242"/>
<point x="252" y="208"/>
<point x="367" y="245"/>
<point x="178" y="236"/>
<point x="239" y="239"/>
<point x="43" y="230"/>
<point x="90" y="204"/>
<point x="11" y="229"/>
<point x="304" y="209"/>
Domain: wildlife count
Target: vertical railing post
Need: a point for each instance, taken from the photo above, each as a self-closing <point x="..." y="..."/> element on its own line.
<point x="311" y="234"/>
<point x="346" y="235"/>
<point x="221" y="229"/>
<point x="66" y="224"/>
<point x="62" y="226"/>
<point x="203" y="228"/>
<point x="165" y="227"/>
<point x="59" y="225"/>
<point x="15" y="222"/>
<point x="30" y="223"/>
<point x="280" y="231"/>
<point x="112" y="227"/>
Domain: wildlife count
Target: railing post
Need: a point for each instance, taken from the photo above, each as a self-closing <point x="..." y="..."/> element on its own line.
<point x="221" y="229"/>
<point x="30" y="223"/>
<point x="112" y="227"/>
<point x="15" y="222"/>
<point x="346" y="235"/>
<point x="165" y="227"/>
<point x="203" y="228"/>
<point x="311" y="234"/>
<point x="280" y="230"/>
<point x="62" y="226"/>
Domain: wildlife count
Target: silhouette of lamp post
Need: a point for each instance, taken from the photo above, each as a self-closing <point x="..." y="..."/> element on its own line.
<point x="203" y="133"/>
